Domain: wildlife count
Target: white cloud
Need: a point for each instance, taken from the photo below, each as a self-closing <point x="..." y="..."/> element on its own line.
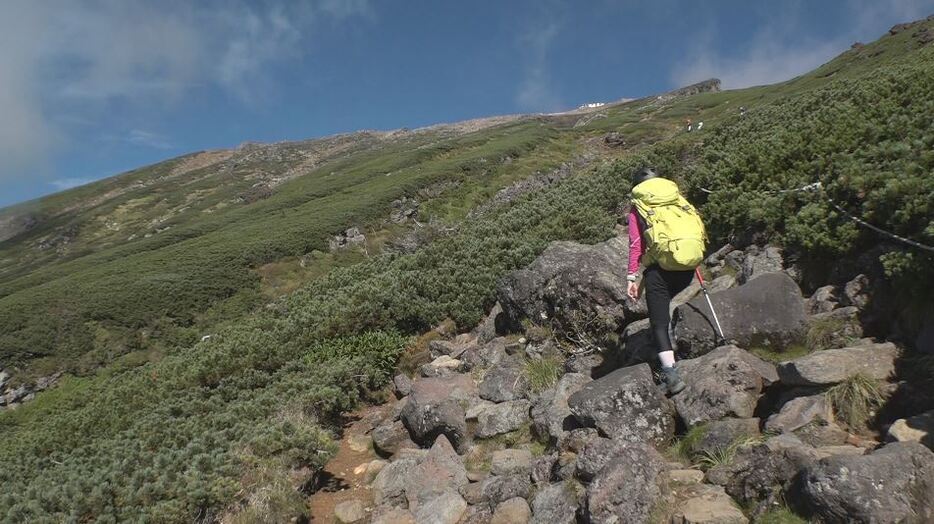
<point x="778" y="53"/>
<point x="67" y="61"/>
<point x="535" y="91"/>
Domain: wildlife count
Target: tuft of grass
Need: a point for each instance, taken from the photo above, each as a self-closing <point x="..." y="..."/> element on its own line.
<point x="780" y="515"/>
<point x="683" y="448"/>
<point x="543" y="373"/>
<point x="719" y="456"/>
<point x="821" y="332"/>
<point x="856" y="400"/>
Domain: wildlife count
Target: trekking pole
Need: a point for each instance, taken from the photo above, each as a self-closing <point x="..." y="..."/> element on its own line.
<point x="703" y="286"/>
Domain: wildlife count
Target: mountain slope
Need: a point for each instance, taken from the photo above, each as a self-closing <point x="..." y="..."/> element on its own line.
<point x="171" y="427"/>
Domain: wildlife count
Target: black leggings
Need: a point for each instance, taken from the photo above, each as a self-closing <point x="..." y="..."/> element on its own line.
<point x="660" y="285"/>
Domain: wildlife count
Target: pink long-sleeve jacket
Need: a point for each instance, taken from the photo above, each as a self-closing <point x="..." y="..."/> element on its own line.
<point x="636" y="245"/>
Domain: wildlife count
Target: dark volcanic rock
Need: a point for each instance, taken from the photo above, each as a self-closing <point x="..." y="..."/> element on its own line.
<point x="767" y="311"/>
<point x="721" y="434"/>
<point x="555" y="504"/>
<point x="551" y="415"/>
<point x="625" y="490"/>
<point x="506" y="381"/>
<point x="625" y="405"/>
<point x="436" y="407"/>
<point x="831" y="366"/>
<point x="723" y="383"/>
<point x="893" y="484"/>
<point x="575" y="286"/>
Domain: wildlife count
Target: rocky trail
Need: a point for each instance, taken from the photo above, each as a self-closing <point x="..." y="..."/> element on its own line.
<point x="549" y="411"/>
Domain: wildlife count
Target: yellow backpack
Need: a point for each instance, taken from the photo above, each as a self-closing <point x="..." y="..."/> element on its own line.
<point x="674" y="233"/>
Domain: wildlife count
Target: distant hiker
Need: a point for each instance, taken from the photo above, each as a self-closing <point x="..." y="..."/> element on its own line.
<point x="667" y="236"/>
<point x="700" y="125"/>
<point x="742" y="110"/>
<point x="690" y="126"/>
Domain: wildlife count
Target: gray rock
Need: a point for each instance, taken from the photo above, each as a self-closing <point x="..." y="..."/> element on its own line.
<point x="578" y="439"/>
<point x="511" y="462"/>
<point x="402" y="384"/>
<point x="566" y="465"/>
<point x="799" y="412"/>
<point x="393" y="516"/>
<point x="893" y="484"/>
<point x="502" y="418"/>
<point x="574" y="286"/>
<point x="721" y="283"/>
<point x="759" y="473"/>
<point x="639" y="343"/>
<point x="759" y="262"/>
<point x="703" y="504"/>
<point x="765" y="312"/>
<point x="823" y="300"/>
<point x="349" y="512"/>
<point x="506" y="381"/>
<point x="542" y="468"/>
<point x="489" y="328"/>
<point x="723" y="383"/>
<point x="441" y="470"/>
<point x="391" y="436"/>
<point x="436" y="407"/>
<point x="390" y="483"/>
<point x="484" y="356"/>
<point x="474" y="410"/>
<point x="495" y="489"/>
<point x="596" y="455"/>
<point x="823" y="435"/>
<point x="625" y="405"/>
<point x="836" y="328"/>
<point x="446" y="507"/>
<point x="856" y="292"/>
<point x="481" y="514"/>
<point x="555" y="504"/>
<point x="919" y="428"/>
<point x="625" y="490"/>
<point x="831" y="366"/>
<point x="721" y="434"/>
<point x="513" y="511"/>
<point x="551" y="415"/>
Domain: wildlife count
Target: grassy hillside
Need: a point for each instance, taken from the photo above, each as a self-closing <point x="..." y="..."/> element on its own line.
<point x="161" y="427"/>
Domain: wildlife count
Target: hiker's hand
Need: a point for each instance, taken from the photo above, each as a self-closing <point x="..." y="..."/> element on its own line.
<point x="633" y="290"/>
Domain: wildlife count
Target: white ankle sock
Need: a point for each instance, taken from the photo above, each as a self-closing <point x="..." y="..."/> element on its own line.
<point x="667" y="358"/>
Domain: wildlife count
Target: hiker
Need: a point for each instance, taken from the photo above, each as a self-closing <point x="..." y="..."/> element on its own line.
<point x="700" y="125"/>
<point x="667" y="236"/>
<point x="742" y="110"/>
<point x="689" y="125"/>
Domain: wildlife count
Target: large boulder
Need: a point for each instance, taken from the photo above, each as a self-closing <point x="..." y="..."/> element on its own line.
<point x="440" y="471"/>
<point x="390" y="483"/>
<point x="893" y="484"/>
<point x="446" y="507"/>
<point x="625" y="405"/>
<point x="596" y="454"/>
<point x="575" y="286"/>
<point x="502" y="418"/>
<point x="511" y="462"/>
<point x="800" y="412"/>
<point x="551" y="415"/>
<point x="832" y="366"/>
<point x="497" y="488"/>
<point x="765" y="312"/>
<point x="391" y="436"/>
<point x="705" y="504"/>
<point x="513" y="511"/>
<point x="555" y="504"/>
<point x="759" y="473"/>
<point x="723" y="383"/>
<point x="625" y="490"/>
<point x="506" y="381"/>
<point x="437" y="407"/>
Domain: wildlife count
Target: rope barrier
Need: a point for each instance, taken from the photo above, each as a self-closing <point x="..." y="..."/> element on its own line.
<point x="817" y="186"/>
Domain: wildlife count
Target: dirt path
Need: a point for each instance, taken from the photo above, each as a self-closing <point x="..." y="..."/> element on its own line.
<point x="345" y="475"/>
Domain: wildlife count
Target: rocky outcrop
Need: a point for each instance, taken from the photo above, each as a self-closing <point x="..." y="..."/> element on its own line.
<point x="551" y="415"/>
<point x="577" y="288"/>
<point x="724" y="383"/>
<point x="625" y="405"/>
<point x="893" y="484"/>
<point x="832" y="366"/>
<point x="436" y="407"/>
<point x="625" y="489"/>
<point x="766" y="312"/>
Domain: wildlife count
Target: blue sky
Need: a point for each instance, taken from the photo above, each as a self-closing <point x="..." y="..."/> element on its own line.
<point x="92" y="88"/>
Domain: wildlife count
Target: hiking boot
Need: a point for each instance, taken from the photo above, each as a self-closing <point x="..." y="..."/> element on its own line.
<point x="672" y="381"/>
